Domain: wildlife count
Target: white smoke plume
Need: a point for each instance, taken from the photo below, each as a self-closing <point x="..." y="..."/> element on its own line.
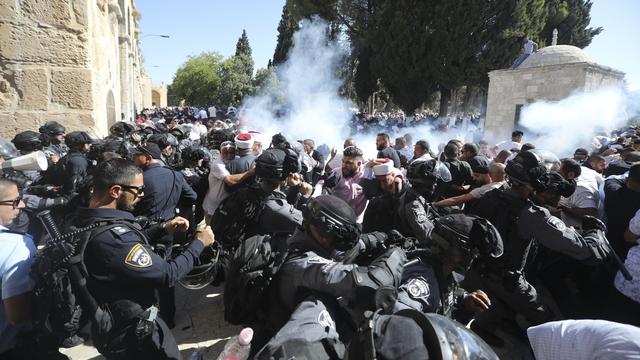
<point x="565" y="125"/>
<point x="310" y="86"/>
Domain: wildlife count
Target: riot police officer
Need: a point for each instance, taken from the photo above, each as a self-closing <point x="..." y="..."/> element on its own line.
<point x="53" y="135"/>
<point x="73" y="167"/>
<point x="315" y="262"/>
<point x="415" y="215"/>
<point x="124" y="271"/>
<point x="520" y="223"/>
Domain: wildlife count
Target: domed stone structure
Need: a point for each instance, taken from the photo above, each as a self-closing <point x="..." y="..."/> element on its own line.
<point x="556" y="55"/>
<point x="550" y="74"/>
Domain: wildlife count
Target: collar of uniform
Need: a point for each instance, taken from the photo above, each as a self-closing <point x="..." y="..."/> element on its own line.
<point x="153" y="165"/>
<point x="104" y="213"/>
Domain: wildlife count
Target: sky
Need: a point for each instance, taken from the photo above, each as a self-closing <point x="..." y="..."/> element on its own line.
<point x="196" y="26"/>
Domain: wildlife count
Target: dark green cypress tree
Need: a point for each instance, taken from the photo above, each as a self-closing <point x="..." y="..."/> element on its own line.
<point x="243" y="52"/>
<point x="286" y="28"/>
<point x="572" y="23"/>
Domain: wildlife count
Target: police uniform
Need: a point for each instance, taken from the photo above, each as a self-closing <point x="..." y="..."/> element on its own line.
<point x="278" y="216"/>
<point x="311" y="332"/>
<point x="427" y="289"/>
<point x="73" y="169"/>
<point x="124" y="273"/>
<point x="521" y="224"/>
<point x="312" y="268"/>
<point x="58" y="150"/>
<point x="16" y="256"/>
<point x="415" y="221"/>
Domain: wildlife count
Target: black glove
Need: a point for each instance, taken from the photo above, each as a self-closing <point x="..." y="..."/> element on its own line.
<point x="592" y="223"/>
<point x="374" y="241"/>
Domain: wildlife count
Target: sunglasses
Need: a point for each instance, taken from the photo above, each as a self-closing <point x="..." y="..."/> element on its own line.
<point x="139" y="190"/>
<point x="14" y="203"/>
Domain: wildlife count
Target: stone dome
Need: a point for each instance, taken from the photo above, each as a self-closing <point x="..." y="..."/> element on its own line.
<point x="556" y="55"/>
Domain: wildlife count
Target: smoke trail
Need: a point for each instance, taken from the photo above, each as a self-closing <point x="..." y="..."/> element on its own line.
<point x="309" y="86"/>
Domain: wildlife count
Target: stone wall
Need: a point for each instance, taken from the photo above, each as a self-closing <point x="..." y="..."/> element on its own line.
<point x="73" y="61"/>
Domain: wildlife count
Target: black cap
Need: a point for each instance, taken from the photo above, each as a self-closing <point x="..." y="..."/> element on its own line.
<point x="149" y="149"/>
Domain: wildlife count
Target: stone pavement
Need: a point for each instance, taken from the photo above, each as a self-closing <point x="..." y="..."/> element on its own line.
<point x="199" y="323"/>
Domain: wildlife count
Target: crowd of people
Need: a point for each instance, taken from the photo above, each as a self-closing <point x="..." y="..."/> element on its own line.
<point x="420" y="252"/>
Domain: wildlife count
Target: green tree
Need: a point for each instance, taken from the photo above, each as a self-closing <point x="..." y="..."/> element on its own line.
<point x="286" y="28"/>
<point x="243" y="53"/>
<point x="236" y="83"/>
<point x="571" y="18"/>
<point x="198" y="80"/>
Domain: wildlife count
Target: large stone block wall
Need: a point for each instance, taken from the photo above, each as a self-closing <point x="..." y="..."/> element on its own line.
<point x="73" y="61"/>
<point x="44" y="65"/>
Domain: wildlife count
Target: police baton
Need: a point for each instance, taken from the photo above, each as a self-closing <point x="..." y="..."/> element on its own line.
<point x="623" y="269"/>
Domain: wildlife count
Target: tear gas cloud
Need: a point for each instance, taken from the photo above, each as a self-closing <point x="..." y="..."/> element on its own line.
<point x="565" y="125"/>
<point x="308" y="87"/>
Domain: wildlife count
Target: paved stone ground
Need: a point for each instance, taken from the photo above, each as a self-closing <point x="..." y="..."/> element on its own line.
<point x="200" y="324"/>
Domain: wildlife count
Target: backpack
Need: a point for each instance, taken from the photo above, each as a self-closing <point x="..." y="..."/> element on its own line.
<point x="251" y="271"/>
<point x="61" y="294"/>
<point x="236" y="215"/>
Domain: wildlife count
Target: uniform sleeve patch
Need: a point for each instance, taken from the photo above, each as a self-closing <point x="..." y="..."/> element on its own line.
<point x="318" y="260"/>
<point x="138" y="257"/>
<point x="556" y="223"/>
<point x="119" y="230"/>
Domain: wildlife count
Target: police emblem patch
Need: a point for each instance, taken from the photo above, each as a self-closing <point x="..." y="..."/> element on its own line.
<point x="418" y="288"/>
<point x="318" y="260"/>
<point x="556" y="223"/>
<point x="325" y="319"/>
<point x="138" y="257"/>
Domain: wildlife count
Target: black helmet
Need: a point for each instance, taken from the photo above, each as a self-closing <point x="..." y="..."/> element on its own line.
<point x="468" y="235"/>
<point x="193" y="154"/>
<point x="335" y="218"/>
<point x="556" y="184"/>
<point x="219" y="135"/>
<point x="270" y="164"/>
<point x="204" y="270"/>
<point x="121" y="129"/>
<point x="427" y="172"/>
<point x="180" y="132"/>
<point x="162" y="140"/>
<point x="27" y="141"/>
<point x="7" y="150"/>
<point x="527" y="168"/>
<point x="52" y="128"/>
<point x="76" y="139"/>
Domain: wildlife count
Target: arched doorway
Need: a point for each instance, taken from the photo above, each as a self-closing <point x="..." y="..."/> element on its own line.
<point x="155" y="98"/>
<point x="111" y="109"/>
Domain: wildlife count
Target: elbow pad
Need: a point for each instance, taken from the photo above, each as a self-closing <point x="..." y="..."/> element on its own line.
<point x="384" y="271"/>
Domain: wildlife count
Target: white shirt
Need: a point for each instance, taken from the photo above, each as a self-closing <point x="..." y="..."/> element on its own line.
<point x="585" y="340"/>
<point x="212" y="111"/>
<point x="631" y="289"/>
<point x="202" y="114"/>
<point x="508" y="145"/>
<point x="585" y="196"/>
<point x="479" y="192"/>
<point x="528" y="47"/>
<point x="217" y="192"/>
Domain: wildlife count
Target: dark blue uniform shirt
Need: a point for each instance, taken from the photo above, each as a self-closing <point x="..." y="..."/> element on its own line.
<point x="123" y="266"/>
<point x="163" y="189"/>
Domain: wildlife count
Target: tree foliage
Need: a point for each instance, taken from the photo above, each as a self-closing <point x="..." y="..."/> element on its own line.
<point x="571" y="18"/>
<point x="243" y="53"/>
<point x="286" y="28"/>
<point x="198" y="79"/>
